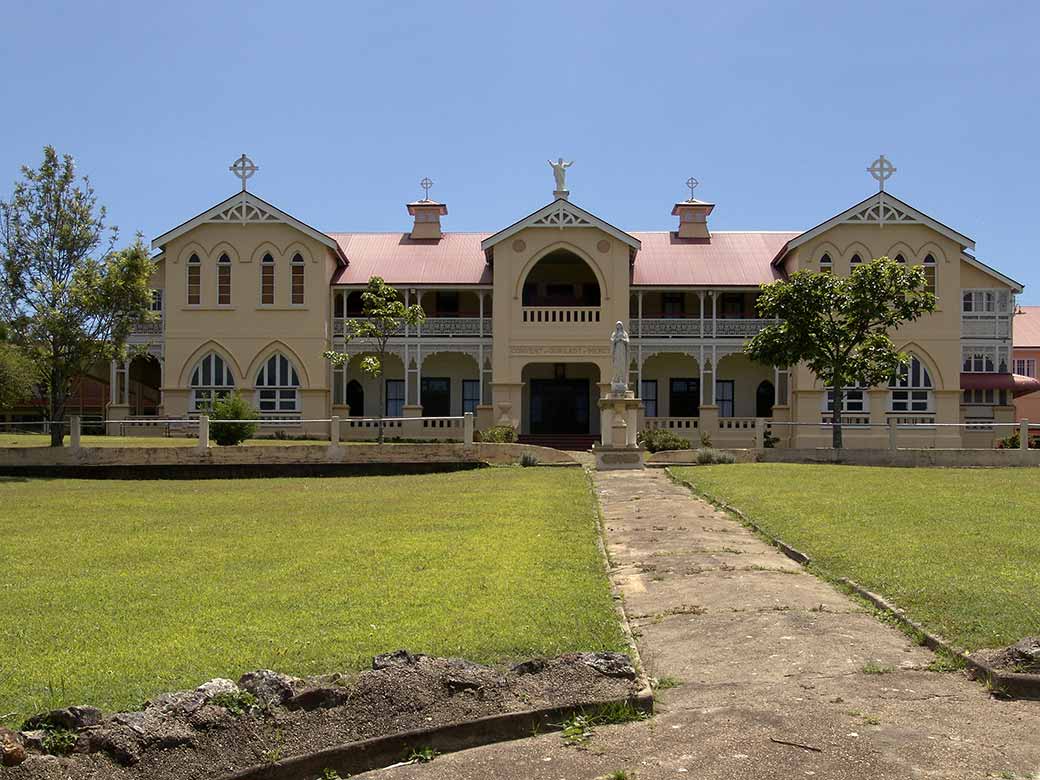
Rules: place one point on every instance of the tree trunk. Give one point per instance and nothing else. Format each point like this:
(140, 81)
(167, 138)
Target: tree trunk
(56, 408)
(839, 402)
(382, 404)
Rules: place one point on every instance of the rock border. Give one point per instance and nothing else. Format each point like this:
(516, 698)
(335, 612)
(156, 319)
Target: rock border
(354, 758)
(1008, 684)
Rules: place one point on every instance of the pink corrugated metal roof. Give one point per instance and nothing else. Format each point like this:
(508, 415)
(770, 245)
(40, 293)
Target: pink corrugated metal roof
(725, 259)
(1026, 327)
(735, 259)
(455, 259)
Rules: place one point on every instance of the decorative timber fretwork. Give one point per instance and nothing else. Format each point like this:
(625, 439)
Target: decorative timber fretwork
(563, 217)
(883, 213)
(245, 212)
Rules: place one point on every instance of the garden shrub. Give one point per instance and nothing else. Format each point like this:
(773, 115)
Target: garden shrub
(527, 459)
(499, 434)
(660, 439)
(708, 455)
(232, 407)
(1014, 441)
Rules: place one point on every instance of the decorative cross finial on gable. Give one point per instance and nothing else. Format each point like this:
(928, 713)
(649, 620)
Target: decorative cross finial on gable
(692, 183)
(243, 168)
(881, 169)
(426, 183)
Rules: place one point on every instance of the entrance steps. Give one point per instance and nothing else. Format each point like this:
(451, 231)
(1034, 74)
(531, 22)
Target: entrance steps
(560, 441)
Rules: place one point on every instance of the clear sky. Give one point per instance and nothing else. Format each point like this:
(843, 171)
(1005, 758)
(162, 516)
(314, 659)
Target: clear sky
(777, 107)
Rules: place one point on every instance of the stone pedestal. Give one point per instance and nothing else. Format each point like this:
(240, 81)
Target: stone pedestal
(619, 419)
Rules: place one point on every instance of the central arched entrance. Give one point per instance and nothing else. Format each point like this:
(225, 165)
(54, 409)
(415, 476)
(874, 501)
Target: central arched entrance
(561, 278)
(559, 399)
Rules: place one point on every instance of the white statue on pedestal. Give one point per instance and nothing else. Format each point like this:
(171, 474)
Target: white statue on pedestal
(619, 351)
(560, 173)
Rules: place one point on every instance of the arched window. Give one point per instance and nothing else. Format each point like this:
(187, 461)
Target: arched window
(224, 281)
(765, 397)
(277, 385)
(900, 259)
(929, 274)
(194, 281)
(297, 279)
(211, 379)
(825, 264)
(855, 262)
(267, 280)
(911, 388)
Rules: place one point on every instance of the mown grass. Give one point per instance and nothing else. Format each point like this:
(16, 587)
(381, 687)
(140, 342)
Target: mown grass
(114, 591)
(958, 549)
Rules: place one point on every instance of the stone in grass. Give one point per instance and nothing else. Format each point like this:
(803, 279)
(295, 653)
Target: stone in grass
(1023, 656)
(70, 718)
(396, 658)
(531, 666)
(267, 686)
(318, 698)
(12, 751)
(607, 664)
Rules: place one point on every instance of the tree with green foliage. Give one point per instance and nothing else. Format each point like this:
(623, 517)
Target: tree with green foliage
(839, 326)
(68, 296)
(384, 316)
(17, 376)
(232, 407)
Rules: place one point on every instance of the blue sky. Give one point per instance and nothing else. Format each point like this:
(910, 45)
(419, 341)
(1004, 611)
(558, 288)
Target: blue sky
(777, 108)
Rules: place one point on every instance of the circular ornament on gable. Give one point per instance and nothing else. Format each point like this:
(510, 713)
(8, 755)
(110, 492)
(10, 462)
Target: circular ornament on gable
(519, 245)
(603, 246)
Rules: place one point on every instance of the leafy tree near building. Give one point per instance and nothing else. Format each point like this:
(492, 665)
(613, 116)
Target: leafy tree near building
(17, 374)
(69, 297)
(839, 326)
(384, 315)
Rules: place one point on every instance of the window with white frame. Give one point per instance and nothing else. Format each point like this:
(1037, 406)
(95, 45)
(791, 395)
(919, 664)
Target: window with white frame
(854, 401)
(911, 388)
(826, 265)
(157, 298)
(211, 379)
(194, 281)
(648, 395)
(1025, 367)
(277, 386)
(724, 389)
(979, 302)
(224, 281)
(929, 273)
(267, 280)
(980, 397)
(470, 395)
(298, 269)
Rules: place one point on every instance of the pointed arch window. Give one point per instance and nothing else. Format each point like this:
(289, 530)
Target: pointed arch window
(900, 259)
(224, 280)
(929, 274)
(277, 386)
(855, 263)
(211, 379)
(826, 266)
(298, 269)
(194, 280)
(267, 280)
(911, 388)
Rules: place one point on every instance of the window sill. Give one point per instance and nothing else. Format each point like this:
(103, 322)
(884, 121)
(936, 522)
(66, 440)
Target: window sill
(275, 307)
(200, 307)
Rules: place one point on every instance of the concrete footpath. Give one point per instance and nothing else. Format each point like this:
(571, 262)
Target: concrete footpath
(780, 675)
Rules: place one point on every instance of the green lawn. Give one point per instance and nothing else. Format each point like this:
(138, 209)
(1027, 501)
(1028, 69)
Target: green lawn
(41, 440)
(113, 591)
(959, 549)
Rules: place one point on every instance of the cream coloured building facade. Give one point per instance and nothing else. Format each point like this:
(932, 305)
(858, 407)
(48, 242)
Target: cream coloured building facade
(248, 297)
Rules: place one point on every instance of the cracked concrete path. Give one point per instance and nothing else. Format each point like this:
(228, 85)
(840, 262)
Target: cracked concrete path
(765, 653)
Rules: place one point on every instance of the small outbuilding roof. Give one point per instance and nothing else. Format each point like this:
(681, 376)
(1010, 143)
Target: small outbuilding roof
(1026, 327)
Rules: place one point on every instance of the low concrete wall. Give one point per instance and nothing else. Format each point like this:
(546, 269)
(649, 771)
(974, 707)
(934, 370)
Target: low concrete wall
(34, 459)
(961, 458)
(908, 458)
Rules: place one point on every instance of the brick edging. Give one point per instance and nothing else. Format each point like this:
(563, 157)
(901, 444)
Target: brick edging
(1013, 684)
(379, 752)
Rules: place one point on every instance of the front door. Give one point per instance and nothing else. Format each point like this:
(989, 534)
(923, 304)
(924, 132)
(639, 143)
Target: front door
(559, 406)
